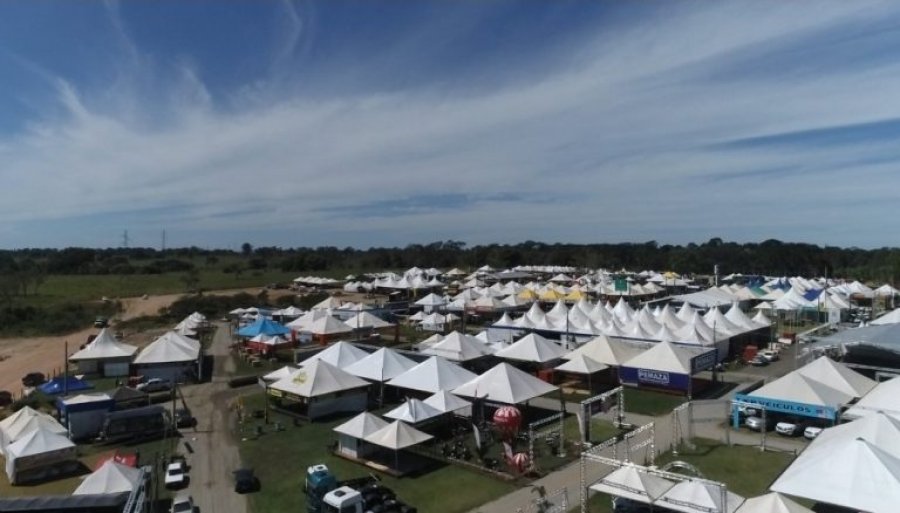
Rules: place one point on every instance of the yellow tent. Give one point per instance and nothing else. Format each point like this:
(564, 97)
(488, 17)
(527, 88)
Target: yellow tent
(551, 295)
(575, 295)
(528, 294)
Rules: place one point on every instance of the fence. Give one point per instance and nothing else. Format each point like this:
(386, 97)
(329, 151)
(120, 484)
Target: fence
(552, 429)
(602, 403)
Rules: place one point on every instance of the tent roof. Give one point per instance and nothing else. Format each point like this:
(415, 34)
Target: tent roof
(772, 502)
(881, 398)
(855, 474)
(281, 373)
(24, 424)
(38, 441)
(397, 435)
(532, 348)
(458, 347)
(104, 346)
(432, 299)
(125, 394)
(665, 356)
(111, 477)
(361, 425)
(381, 365)
(414, 411)
(433, 375)
(797, 388)
(318, 378)
(62, 384)
(505, 384)
(581, 364)
(699, 497)
(892, 317)
(881, 429)
(263, 325)
(837, 376)
(446, 402)
(340, 354)
(171, 347)
(327, 325)
(629, 482)
(366, 320)
(607, 351)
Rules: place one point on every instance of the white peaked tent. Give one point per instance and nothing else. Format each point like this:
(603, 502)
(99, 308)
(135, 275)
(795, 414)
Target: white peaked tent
(281, 373)
(304, 321)
(855, 474)
(340, 354)
(329, 303)
(169, 348)
(722, 325)
(366, 320)
(892, 317)
(665, 357)
(428, 342)
(581, 364)
(446, 402)
(797, 388)
(318, 378)
(433, 375)
(291, 311)
(623, 311)
(505, 384)
(837, 376)
(629, 482)
(772, 502)
(884, 397)
(886, 291)
(458, 347)
(414, 411)
(431, 300)
(351, 433)
(327, 325)
(699, 497)
(880, 429)
(110, 478)
(607, 351)
(40, 447)
(24, 421)
(105, 354)
(685, 312)
(532, 348)
(397, 435)
(739, 318)
(761, 320)
(381, 365)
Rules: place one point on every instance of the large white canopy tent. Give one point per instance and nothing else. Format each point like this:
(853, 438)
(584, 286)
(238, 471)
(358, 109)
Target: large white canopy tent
(458, 347)
(532, 348)
(505, 384)
(380, 366)
(608, 351)
(629, 482)
(693, 496)
(433, 375)
(110, 478)
(323, 389)
(41, 447)
(365, 320)
(105, 354)
(772, 502)
(352, 433)
(837, 376)
(414, 411)
(447, 402)
(24, 421)
(340, 354)
(172, 357)
(885, 397)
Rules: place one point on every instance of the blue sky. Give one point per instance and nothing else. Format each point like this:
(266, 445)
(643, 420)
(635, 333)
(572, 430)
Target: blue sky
(370, 123)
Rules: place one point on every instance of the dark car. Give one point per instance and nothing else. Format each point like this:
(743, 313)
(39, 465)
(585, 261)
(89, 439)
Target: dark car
(623, 505)
(184, 419)
(245, 481)
(33, 379)
(6, 398)
(101, 322)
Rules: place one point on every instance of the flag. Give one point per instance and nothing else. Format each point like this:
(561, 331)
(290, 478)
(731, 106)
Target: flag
(477, 436)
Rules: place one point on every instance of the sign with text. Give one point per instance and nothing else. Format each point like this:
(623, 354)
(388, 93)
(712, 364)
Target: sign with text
(801, 409)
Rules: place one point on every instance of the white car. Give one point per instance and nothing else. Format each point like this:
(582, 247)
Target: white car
(176, 475)
(788, 429)
(811, 432)
(769, 355)
(182, 504)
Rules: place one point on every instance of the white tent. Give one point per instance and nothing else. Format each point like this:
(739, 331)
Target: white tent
(381, 365)
(855, 474)
(304, 321)
(892, 317)
(607, 351)
(761, 319)
(414, 411)
(581, 364)
(532, 348)
(361, 425)
(397, 435)
(318, 378)
(629, 482)
(666, 357)
(329, 303)
(881, 429)
(24, 421)
(458, 347)
(340, 354)
(431, 300)
(433, 375)
(38, 448)
(446, 402)
(327, 325)
(110, 478)
(699, 497)
(797, 388)
(170, 348)
(366, 320)
(281, 373)
(837, 376)
(772, 502)
(105, 350)
(884, 397)
(505, 384)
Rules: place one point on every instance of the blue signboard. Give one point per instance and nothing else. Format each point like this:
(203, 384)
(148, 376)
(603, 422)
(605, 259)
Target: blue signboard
(704, 361)
(778, 405)
(654, 378)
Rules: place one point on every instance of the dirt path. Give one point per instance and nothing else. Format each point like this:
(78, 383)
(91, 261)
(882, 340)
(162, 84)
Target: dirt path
(215, 451)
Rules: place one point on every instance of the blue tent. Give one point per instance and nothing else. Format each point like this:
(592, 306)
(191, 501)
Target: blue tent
(812, 294)
(61, 384)
(263, 326)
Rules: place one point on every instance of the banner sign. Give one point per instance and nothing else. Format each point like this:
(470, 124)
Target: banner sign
(654, 378)
(801, 409)
(704, 361)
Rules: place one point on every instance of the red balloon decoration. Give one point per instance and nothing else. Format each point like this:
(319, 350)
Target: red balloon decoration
(508, 419)
(520, 462)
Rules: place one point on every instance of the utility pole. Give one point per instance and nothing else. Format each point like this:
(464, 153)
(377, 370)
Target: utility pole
(125, 239)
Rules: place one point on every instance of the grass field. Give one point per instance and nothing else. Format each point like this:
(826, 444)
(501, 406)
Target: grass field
(446, 489)
(649, 402)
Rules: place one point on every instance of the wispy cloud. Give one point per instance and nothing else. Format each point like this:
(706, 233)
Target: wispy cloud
(684, 122)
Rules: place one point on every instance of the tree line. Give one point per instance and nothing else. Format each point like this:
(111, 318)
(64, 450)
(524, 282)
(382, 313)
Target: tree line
(27, 267)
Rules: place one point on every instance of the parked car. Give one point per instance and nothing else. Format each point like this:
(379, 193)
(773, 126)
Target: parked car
(182, 504)
(176, 475)
(759, 361)
(811, 432)
(154, 385)
(184, 419)
(6, 398)
(245, 481)
(756, 423)
(101, 322)
(33, 379)
(770, 355)
(624, 505)
(790, 428)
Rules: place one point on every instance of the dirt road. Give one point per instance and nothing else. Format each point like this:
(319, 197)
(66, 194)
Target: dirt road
(215, 451)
